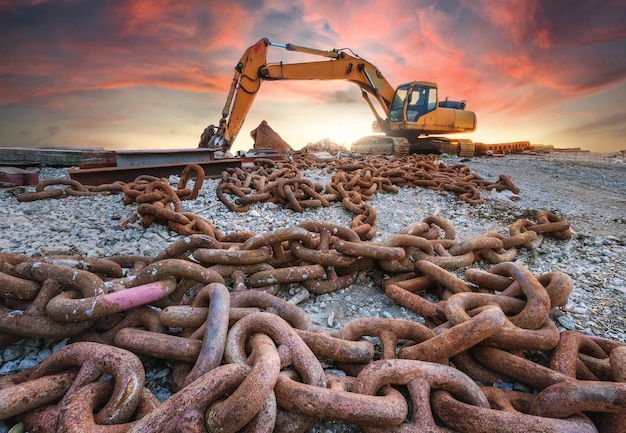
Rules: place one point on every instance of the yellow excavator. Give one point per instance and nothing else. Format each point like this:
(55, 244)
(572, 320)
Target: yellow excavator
(411, 113)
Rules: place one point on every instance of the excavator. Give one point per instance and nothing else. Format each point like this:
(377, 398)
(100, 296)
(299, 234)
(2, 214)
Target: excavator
(412, 114)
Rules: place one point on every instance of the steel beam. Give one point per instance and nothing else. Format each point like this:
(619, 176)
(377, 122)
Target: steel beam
(105, 175)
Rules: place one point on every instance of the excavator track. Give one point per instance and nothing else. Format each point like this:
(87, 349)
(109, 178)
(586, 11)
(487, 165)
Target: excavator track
(382, 145)
(466, 148)
(401, 148)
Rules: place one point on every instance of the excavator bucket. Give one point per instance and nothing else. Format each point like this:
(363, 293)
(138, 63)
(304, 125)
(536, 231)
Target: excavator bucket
(266, 138)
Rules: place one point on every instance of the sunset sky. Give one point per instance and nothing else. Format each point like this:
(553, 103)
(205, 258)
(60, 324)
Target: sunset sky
(137, 74)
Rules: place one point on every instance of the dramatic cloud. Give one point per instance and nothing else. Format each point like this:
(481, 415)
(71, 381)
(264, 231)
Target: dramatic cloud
(158, 72)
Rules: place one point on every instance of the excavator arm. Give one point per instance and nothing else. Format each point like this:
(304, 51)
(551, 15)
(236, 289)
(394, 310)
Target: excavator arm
(252, 69)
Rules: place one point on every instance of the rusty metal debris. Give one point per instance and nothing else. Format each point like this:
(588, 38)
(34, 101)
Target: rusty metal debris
(266, 138)
(246, 359)
(14, 176)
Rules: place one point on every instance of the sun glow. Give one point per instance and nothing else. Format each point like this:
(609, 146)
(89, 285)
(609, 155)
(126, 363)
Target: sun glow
(341, 135)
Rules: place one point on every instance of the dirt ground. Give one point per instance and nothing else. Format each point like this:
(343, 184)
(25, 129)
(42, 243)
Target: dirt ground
(588, 188)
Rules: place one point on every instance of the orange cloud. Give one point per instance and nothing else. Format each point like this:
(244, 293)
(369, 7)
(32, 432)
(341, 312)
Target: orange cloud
(507, 57)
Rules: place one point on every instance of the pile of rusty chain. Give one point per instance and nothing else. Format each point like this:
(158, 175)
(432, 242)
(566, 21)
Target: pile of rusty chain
(355, 181)
(150, 188)
(246, 359)
(157, 200)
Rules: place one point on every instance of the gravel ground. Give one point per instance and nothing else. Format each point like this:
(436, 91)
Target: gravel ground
(586, 189)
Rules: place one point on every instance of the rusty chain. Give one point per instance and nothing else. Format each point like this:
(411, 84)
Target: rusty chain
(354, 182)
(485, 324)
(246, 358)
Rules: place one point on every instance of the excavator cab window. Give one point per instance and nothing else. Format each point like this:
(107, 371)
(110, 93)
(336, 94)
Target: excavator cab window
(420, 99)
(397, 105)
(432, 98)
(417, 103)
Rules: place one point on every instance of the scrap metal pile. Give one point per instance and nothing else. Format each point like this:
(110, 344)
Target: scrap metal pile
(246, 359)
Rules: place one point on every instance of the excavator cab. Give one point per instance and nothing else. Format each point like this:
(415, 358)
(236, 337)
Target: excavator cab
(415, 110)
(413, 100)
